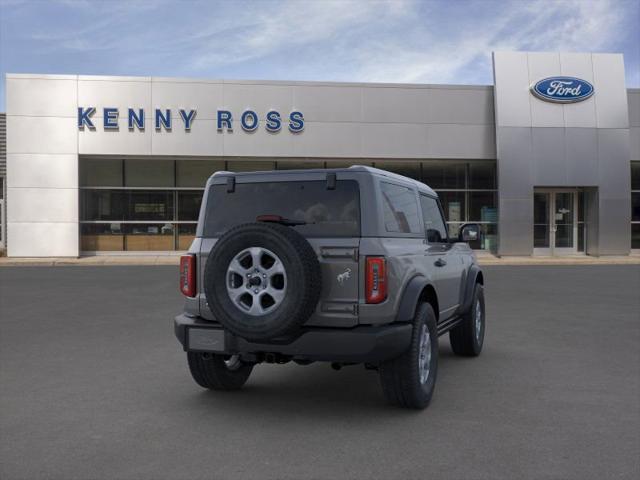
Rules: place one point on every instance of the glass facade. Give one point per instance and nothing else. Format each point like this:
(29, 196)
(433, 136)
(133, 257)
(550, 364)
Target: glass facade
(141, 205)
(153, 204)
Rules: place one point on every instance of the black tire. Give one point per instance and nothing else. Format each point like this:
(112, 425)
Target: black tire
(466, 340)
(303, 281)
(211, 371)
(400, 377)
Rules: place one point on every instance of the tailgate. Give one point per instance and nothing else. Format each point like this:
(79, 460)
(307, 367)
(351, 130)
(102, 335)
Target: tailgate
(339, 263)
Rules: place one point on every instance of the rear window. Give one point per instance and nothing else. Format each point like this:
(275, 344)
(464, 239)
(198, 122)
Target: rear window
(327, 213)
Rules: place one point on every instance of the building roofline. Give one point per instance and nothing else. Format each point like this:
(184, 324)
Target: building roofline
(148, 79)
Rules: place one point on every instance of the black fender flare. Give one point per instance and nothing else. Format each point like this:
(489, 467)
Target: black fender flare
(472, 278)
(410, 298)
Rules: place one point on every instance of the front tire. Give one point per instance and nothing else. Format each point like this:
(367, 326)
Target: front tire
(467, 338)
(218, 372)
(409, 380)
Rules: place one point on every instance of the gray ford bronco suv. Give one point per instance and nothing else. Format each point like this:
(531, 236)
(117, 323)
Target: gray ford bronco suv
(350, 265)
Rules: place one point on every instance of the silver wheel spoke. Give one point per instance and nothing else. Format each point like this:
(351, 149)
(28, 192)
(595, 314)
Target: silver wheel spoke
(277, 295)
(234, 293)
(256, 308)
(235, 267)
(257, 281)
(276, 268)
(256, 257)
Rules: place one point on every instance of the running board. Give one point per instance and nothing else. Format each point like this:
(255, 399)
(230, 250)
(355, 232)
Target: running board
(448, 324)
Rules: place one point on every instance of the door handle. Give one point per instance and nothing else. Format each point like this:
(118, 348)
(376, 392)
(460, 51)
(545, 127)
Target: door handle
(440, 262)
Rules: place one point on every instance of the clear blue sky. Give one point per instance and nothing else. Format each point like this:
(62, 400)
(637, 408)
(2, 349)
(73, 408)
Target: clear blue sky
(443, 41)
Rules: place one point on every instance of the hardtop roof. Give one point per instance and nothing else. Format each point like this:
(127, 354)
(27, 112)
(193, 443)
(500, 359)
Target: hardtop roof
(352, 169)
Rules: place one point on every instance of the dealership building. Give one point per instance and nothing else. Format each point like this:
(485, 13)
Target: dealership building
(547, 159)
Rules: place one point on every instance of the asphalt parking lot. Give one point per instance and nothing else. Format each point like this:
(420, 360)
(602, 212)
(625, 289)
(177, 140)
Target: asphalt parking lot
(93, 385)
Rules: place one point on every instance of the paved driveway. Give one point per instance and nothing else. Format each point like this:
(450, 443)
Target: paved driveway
(94, 385)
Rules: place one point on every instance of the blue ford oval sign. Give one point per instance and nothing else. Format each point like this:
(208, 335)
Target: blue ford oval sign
(562, 89)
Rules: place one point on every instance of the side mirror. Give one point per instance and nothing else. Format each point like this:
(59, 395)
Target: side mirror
(469, 232)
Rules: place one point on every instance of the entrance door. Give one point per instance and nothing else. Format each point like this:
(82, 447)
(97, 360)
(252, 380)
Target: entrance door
(555, 226)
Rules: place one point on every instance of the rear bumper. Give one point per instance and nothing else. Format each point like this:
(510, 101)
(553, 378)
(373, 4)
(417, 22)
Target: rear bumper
(370, 344)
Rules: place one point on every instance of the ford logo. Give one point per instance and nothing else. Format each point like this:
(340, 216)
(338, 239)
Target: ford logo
(562, 89)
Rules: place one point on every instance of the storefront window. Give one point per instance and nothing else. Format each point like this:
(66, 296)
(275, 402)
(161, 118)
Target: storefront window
(133, 205)
(454, 206)
(142, 204)
(101, 237)
(482, 207)
(635, 205)
(408, 169)
(189, 205)
(150, 205)
(635, 175)
(482, 176)
(149, 173)
(186, 234)
(195, 173)
(444, 175)
(250, 165)
(101, 172)
(635, 235)
(347, 164)
(103, 205)
(298, 164)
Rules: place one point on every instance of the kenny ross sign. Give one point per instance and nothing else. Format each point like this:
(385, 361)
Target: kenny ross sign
(162, 119)
(562, 89)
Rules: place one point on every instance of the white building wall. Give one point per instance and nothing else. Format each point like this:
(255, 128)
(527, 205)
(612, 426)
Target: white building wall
(42, 166)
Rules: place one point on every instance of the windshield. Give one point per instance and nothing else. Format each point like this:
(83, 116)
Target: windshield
(320, 211)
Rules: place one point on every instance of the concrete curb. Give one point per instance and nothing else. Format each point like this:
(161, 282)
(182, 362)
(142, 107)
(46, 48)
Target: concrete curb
(151, 260)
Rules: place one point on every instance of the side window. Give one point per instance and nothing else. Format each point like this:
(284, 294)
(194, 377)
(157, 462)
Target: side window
(400, 209)
(433, 222)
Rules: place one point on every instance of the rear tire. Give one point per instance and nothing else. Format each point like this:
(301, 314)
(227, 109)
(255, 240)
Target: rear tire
(216, 372)
(468, 337)
(404, 382)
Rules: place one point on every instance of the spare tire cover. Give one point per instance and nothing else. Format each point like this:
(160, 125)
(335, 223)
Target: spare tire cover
(262, 281)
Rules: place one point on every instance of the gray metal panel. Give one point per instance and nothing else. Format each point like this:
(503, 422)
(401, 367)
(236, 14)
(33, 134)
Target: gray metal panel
(42, 97)
(329, 103)
(511, 89)
(3, 144)
(612, 109)
(633, 100)
(260, 98)
(592, 216)
(515, 168)
(563, 147)
(582, 156)
(633, 96)
(175, 94)
(634, 143)
(461, 141)
(100, 93)
(515, 226)
(396, 105)
(613, 161)
(461, 106)
(549, 165)
(544, 114)
(388, 140)
(580, 114)
(614, 226)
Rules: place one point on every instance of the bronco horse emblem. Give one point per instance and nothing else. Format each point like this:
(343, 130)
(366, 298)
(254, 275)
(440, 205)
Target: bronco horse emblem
(346, 275)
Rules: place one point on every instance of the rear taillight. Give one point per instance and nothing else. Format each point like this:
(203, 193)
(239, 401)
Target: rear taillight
(188, 275)
(376, 280)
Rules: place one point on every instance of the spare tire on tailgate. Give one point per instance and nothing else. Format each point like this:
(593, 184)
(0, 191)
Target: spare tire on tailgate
(262, 281)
